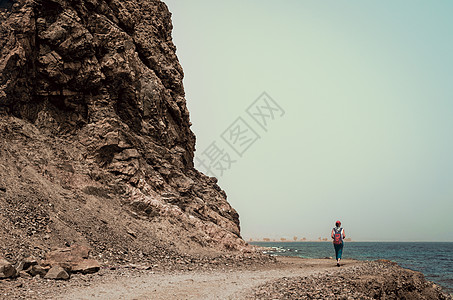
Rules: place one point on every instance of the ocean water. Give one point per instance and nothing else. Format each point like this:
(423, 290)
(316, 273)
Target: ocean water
(434, 260)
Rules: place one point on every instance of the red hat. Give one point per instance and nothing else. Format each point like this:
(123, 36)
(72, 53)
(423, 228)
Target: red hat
(337, 222)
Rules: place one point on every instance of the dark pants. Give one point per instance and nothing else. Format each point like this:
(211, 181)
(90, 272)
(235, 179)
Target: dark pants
(338, 250)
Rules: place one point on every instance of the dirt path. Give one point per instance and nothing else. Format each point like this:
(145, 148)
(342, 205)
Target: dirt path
(218, 284)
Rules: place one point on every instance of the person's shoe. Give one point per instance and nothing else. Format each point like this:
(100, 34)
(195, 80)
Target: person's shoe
(338, 264)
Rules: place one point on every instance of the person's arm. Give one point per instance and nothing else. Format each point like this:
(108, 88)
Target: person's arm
(344, 235)
(331, 234)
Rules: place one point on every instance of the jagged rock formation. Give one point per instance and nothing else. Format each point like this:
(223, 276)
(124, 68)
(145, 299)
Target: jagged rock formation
(95, 139)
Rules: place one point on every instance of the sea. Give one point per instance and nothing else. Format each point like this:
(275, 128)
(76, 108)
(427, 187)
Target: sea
(434, 260)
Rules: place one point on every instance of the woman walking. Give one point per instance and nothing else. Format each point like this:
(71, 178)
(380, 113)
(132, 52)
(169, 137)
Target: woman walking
(337, 237)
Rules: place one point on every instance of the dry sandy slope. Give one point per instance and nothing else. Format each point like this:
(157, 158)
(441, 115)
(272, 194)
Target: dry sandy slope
(217, 284)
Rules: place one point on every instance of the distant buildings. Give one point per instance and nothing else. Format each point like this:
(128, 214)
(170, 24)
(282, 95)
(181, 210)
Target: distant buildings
(294, 239)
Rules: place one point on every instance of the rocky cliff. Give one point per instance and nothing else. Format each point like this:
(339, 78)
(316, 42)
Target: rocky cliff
(95, 139)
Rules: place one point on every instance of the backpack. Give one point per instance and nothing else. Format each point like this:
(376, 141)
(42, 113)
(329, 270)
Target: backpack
(337, 236)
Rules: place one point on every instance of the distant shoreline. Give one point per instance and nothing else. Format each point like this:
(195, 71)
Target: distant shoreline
(352, 241)
(293, 241)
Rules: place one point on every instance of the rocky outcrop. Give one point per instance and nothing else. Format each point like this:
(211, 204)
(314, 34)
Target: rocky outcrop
(95, 139)
(369, 280)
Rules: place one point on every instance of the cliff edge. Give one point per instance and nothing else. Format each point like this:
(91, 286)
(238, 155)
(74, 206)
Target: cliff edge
(95, 139)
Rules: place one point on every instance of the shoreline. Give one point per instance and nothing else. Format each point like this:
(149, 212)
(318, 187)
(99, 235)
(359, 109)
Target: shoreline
(364, 280)
(434, 270)
(287, 278)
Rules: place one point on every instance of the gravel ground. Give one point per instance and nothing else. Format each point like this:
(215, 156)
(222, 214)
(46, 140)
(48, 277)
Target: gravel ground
(367, 280)
(287, 278)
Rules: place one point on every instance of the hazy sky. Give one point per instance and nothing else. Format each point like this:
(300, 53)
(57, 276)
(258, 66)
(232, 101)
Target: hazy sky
(367, 93)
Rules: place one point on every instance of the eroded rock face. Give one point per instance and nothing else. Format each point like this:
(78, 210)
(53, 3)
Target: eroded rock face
(95, 132)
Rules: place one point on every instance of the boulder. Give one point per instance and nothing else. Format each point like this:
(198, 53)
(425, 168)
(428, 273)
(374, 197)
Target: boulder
(7, 270)
(26, 264)
(86, 266)
(73, 259)
(73, 253)
(38, 270)
(57, 273)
